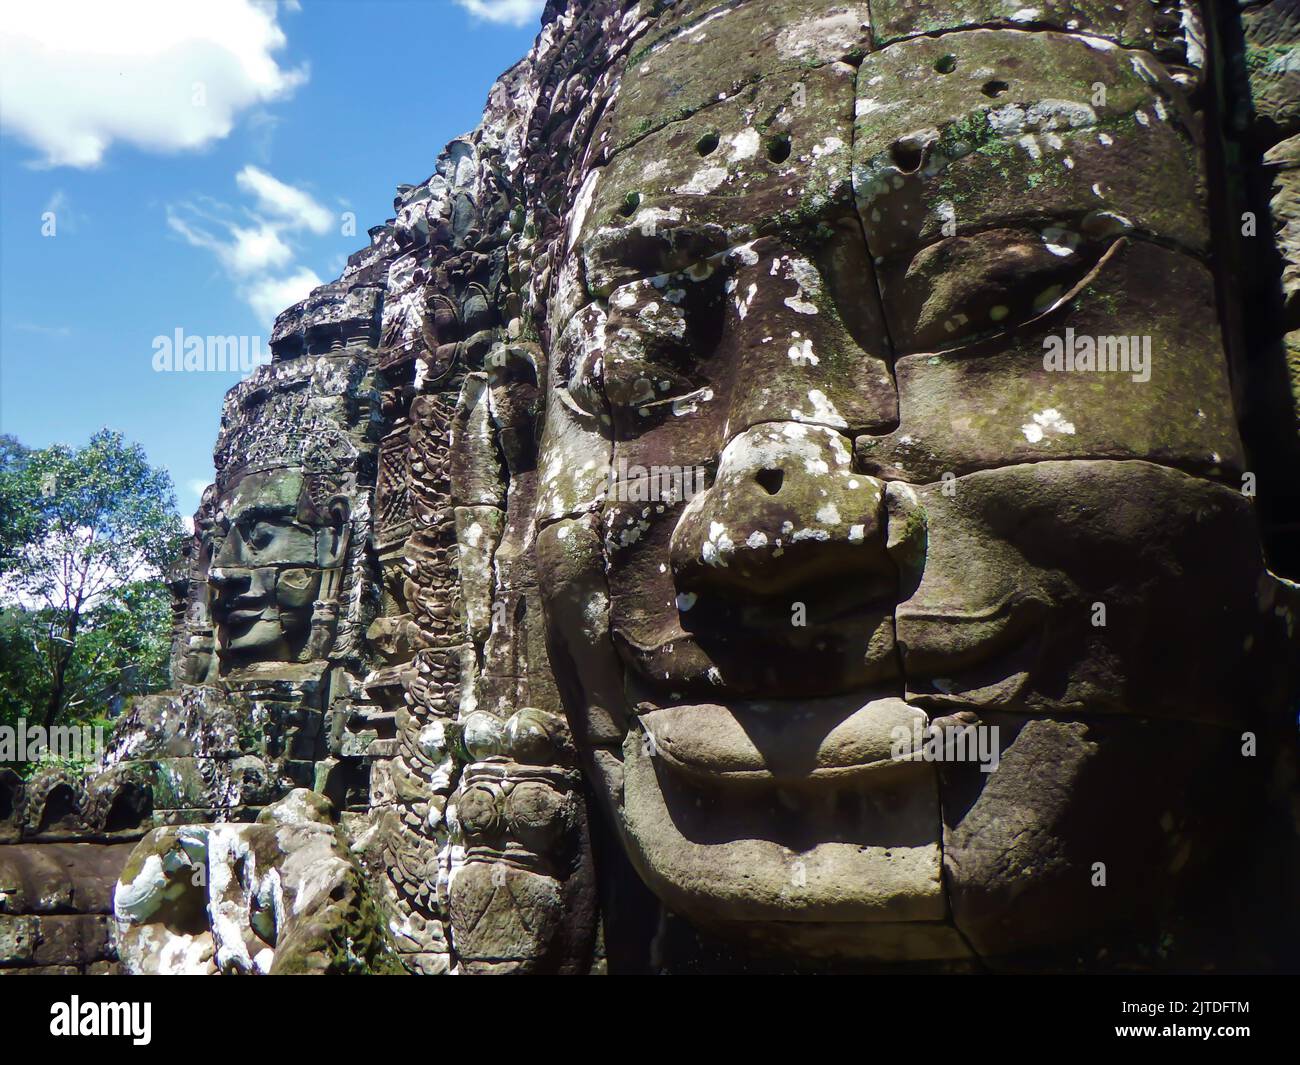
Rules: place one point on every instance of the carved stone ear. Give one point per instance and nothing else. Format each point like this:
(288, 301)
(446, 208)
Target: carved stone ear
(339, 509)
(333, 511)
(333, 538)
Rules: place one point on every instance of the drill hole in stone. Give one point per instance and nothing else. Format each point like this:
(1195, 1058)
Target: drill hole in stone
(908, 156)
(771, 480)
(630, 203)
(706, 144)
(946, 64)
(994, 89)
(778, 148)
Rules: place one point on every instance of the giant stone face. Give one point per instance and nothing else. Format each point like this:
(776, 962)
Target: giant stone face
(827, 292)
(817, 425)
(267, 577)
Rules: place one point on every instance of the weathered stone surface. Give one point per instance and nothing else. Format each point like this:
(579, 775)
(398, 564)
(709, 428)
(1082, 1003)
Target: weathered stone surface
(1292, 347)
(1285, 209)
(60, 877)
(280, 896)
(772, 158)
(710, 51)
(1272, 32)
(992, 397)
(18, 939)
(996, 127)
(1132, 23)
(690, 443)
(577, 595)
(1031, 849)
(478, 531)
(723, 854)
(1062, 587)
(74, 939)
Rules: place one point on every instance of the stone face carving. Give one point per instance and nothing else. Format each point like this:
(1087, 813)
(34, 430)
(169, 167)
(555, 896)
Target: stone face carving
(833, 293)
(284, 571)
(274, 582)
(611, 542)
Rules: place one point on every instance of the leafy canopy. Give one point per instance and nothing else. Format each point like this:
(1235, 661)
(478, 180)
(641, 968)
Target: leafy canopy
(86, 536)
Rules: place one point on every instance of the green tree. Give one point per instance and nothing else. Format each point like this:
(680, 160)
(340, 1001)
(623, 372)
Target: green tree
(84, 614)
(15, 518)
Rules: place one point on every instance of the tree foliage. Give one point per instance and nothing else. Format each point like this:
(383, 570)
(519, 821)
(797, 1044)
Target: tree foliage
(84, 615)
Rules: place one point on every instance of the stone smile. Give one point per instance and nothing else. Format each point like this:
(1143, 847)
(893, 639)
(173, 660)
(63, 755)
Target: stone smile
(785, 741)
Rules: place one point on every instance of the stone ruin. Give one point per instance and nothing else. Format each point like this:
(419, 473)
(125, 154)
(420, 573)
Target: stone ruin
(466, 680)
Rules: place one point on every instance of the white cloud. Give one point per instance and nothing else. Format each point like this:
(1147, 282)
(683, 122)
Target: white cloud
(258, 248)
(79, 75)
(254, 249)
(268, 296)
(509, 12)
(249, 249)
(292, 205)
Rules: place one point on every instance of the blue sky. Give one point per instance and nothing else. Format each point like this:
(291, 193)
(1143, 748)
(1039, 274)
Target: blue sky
(197, 161)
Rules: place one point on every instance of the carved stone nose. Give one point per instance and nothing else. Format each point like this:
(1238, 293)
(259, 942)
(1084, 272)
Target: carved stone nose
(785, 512)
(231, 581)
(229, 578)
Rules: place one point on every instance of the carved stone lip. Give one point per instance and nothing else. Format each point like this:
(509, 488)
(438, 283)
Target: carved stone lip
(239, 623)
(785, 741)
(937, 644)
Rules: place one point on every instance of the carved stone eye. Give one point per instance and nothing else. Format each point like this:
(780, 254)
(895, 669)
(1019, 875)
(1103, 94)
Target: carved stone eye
(259, 536)
(966, 287)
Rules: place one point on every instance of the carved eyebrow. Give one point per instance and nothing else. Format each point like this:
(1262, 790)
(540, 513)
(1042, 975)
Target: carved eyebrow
(261, 512)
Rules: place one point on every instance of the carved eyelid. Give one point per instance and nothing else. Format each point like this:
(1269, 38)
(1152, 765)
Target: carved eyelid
(566, 397)
(1014, 326)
